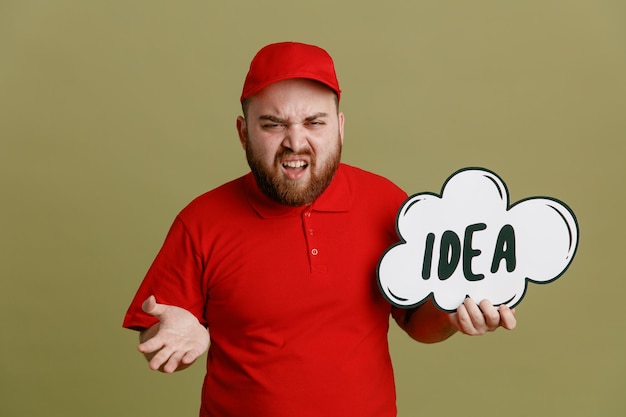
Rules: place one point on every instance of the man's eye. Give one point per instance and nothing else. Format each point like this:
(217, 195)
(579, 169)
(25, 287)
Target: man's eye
(271, 125)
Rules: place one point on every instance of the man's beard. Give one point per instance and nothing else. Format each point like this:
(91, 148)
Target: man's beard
(289, 192)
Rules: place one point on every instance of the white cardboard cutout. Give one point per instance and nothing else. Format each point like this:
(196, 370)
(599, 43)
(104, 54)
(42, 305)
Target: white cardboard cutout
(469, 242)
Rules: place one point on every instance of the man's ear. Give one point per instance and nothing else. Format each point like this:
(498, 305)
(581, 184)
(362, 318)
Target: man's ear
(242, 131)
(341, 120)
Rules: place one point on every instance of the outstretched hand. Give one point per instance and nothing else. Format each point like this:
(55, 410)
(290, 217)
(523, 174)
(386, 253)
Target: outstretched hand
(477, 319)
(176, 341)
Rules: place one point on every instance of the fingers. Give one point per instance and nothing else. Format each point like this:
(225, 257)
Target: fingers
(170, 360)
(190, 357)
(151, 345)
(471, 319)
(477, 319)
(490, 314)
(165, 360)
(507, 317)
(463, 320)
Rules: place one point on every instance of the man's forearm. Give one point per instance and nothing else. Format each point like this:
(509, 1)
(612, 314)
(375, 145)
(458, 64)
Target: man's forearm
(426, 324)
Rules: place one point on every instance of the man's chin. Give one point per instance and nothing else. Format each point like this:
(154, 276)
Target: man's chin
(296, 193)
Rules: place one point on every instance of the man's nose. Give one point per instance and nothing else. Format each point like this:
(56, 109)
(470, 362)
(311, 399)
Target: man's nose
(295, 138)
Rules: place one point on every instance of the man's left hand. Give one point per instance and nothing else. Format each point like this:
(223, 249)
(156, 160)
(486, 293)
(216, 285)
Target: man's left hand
(477, 319)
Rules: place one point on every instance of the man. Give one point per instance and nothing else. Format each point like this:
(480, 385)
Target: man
(278, 266)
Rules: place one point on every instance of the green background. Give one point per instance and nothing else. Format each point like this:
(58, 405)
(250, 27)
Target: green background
(114, 114)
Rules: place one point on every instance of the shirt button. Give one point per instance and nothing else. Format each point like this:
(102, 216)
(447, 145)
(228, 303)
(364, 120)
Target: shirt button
(314, 252)
(311, 232)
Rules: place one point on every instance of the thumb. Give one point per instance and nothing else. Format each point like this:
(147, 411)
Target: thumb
(454, 320)
(153, 308)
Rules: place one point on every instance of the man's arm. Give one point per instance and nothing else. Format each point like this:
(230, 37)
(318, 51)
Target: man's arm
(428, 324)
(176, 341)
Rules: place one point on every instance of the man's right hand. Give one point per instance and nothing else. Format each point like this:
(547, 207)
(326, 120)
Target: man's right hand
(176, 341)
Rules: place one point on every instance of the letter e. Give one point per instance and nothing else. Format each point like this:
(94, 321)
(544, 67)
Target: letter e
(469, 252)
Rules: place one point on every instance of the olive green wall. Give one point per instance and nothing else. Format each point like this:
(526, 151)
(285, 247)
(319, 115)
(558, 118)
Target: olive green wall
(114, 114)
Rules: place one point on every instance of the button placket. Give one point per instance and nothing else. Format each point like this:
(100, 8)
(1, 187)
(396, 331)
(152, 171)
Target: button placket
(310, 237)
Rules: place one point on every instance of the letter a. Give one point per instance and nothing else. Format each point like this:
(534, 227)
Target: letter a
(505, 249)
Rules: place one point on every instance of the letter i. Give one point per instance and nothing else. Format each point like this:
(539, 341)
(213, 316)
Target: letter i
(428, 256)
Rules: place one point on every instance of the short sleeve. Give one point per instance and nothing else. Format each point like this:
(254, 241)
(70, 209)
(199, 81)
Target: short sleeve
(174, 278)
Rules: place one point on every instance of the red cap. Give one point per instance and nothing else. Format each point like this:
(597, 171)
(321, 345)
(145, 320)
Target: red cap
(288, 60)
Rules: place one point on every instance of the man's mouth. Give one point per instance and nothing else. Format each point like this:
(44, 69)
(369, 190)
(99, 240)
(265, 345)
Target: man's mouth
(294, 164)
(294, 169)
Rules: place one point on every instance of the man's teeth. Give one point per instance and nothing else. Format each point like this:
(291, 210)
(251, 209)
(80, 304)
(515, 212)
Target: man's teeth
(294, 164)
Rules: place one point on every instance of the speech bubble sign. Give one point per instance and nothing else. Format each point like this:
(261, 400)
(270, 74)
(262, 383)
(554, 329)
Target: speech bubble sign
(469, 242)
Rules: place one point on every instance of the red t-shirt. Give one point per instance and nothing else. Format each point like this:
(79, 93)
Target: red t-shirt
(298, 326)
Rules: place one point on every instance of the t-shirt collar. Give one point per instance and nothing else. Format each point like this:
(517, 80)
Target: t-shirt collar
(336, 198)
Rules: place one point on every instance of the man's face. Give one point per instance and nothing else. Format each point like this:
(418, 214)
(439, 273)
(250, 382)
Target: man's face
(292, 136)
